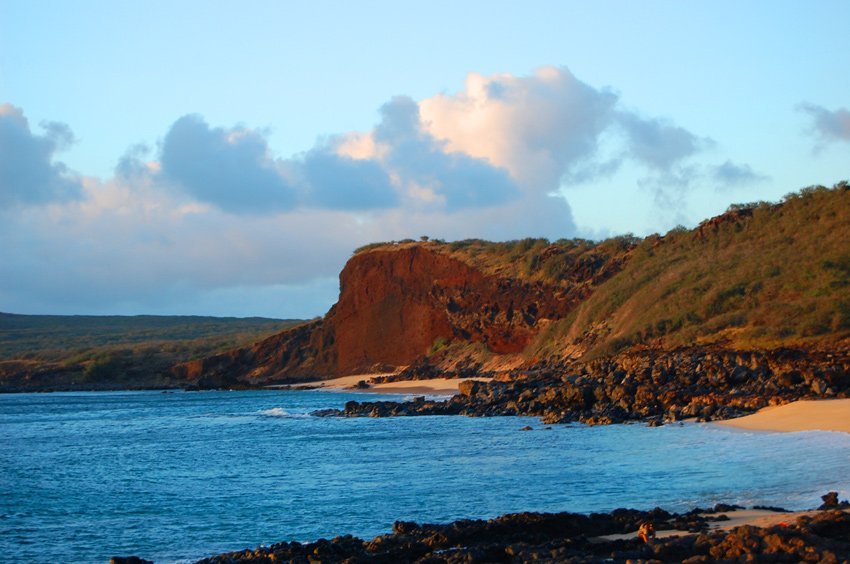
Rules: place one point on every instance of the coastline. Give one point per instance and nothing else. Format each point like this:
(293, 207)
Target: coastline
(726, 521)
(801, 415)
(558, 548)
(431, 386)
(724, 532)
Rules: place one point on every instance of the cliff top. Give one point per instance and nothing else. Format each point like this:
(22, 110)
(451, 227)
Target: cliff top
(530, 260)
(759, 275)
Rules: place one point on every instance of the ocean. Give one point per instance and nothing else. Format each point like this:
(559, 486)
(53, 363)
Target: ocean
(182, 475)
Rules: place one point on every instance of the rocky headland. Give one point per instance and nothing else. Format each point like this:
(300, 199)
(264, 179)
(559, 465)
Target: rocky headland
(749, 309)
(653, 386)
(400, 303)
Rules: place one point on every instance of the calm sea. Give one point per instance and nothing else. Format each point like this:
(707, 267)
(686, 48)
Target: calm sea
(176, 476)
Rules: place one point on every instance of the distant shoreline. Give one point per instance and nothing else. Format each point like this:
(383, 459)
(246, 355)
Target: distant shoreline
(431, 386)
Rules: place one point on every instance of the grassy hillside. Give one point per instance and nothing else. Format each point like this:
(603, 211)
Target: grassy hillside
(131, 350)
(760, 276)
(51, 337)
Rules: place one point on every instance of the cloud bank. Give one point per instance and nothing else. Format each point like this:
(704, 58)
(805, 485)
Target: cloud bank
(213, 209)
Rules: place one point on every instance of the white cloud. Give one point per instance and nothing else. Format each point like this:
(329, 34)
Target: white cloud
(139, 245)
(213, 210)
(537, 127)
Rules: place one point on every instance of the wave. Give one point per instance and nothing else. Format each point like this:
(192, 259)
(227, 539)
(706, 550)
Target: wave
(280, 412)
(428, 397)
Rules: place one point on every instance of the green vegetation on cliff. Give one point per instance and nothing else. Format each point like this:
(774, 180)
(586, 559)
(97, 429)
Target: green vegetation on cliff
(759, 276)
(530, 259)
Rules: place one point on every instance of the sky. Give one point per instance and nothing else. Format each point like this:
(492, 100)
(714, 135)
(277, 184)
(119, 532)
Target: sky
(226, 158)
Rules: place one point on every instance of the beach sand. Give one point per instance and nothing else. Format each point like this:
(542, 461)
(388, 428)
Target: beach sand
(804, 415)
(754, 517)
(436, 386)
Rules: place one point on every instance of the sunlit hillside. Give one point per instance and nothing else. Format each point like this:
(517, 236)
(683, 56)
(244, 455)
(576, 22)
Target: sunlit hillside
(761, 275)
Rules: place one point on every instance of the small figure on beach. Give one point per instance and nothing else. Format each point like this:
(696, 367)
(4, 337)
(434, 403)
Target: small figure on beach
(646, 532)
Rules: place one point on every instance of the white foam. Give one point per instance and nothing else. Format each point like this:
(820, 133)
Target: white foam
(280, 412)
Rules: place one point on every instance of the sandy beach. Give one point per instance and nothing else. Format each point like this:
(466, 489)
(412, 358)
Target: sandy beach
(435, 386)
(803, 415)
(753, 517)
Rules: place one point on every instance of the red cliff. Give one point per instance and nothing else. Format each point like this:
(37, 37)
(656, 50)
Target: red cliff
(395, 303)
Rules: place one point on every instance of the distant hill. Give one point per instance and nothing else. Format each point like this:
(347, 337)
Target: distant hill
(760, 276)
(80, 351)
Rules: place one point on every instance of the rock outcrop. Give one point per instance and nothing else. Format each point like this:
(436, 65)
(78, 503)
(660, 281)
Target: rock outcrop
(395, 305)
(653, 386)
(571, 537)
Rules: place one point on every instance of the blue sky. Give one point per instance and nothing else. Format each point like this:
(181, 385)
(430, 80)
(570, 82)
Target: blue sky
(226, 158)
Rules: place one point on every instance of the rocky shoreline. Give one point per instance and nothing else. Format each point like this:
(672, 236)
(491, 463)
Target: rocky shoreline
(649, 385)
(822, 536)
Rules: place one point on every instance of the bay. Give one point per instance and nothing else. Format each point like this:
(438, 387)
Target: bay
(178, 476)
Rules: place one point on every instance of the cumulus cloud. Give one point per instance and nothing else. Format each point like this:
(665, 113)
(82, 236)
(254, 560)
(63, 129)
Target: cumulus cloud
(537, 127)
(828, 125)
(135, 247)
(338, 182)
(212, 209)
(428, 172)
(670, 187)
(231, 168)
(499, 140)
(28, 172)
(132, 162)
(59, 133)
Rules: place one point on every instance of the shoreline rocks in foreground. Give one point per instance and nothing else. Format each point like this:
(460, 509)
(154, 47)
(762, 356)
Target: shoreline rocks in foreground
(569, 537)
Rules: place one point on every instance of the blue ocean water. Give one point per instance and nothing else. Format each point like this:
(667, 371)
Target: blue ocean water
(176, 476)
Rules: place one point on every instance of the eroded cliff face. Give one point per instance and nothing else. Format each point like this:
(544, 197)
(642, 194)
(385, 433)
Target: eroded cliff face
(386, 312)
(395, 304)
